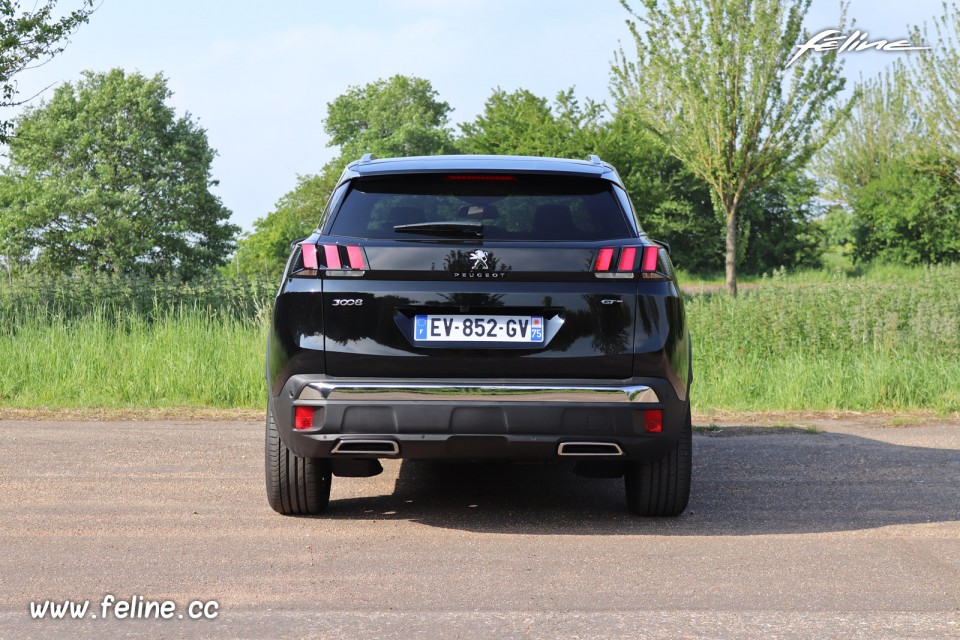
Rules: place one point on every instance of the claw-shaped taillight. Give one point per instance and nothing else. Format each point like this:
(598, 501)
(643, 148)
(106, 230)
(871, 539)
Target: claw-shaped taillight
(621, 262)
(332, 259)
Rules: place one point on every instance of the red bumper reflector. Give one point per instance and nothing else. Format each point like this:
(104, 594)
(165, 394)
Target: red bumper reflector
(309, 256)
(604, 258)
(355, 256)
(332, 254)
(628, 258)
(303, 418)
(650, 255)
(653, 421)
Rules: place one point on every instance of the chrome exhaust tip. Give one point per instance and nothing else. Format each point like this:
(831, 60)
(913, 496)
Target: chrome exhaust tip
(587, 449)
(366, 447)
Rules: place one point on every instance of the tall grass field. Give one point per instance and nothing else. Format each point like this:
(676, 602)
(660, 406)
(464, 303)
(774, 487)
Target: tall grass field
(839, 344)
(120, 342)
(847, 344)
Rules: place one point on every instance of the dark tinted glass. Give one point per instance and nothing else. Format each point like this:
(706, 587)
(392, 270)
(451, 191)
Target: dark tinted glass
(510, 207)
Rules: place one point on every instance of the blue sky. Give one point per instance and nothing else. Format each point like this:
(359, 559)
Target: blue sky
(258, 76)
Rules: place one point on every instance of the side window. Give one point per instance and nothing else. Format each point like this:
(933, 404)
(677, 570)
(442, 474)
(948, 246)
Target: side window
(332, 203)
(627, 206)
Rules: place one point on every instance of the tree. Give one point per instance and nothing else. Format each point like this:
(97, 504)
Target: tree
(674, 205)
(105, 177)
(711, 82)
(29, 38)
(400, 116)
(883, 128)
(896, 173)
(521, 123)
(937, 74)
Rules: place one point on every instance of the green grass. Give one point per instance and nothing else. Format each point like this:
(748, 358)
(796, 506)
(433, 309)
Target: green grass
(848, 344)
(888, 339)
(186, 357)
(853, 382)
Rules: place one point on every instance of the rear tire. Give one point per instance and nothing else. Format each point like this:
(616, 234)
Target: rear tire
(659, 488)
(295, 486)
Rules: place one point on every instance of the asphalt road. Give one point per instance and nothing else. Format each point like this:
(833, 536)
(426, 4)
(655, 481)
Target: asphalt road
(850, 533)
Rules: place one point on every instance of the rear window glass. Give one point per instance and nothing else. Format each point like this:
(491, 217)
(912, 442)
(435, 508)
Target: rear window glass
(510, 207)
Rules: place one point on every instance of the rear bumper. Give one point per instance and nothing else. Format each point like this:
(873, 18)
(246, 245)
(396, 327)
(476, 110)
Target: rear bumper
(530, 419)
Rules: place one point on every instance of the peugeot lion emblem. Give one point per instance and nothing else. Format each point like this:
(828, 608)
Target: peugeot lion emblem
(479, 258)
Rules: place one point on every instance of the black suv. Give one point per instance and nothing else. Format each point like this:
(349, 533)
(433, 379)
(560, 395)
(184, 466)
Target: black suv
(470, 307)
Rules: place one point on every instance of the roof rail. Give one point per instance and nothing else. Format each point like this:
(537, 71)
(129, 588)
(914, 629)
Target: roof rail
(367, 157)
(594, 159)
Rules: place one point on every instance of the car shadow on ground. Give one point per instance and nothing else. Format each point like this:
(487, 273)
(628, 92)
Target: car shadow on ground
(747, 481)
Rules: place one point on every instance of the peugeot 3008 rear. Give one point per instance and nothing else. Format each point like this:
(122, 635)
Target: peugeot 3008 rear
(471, 307)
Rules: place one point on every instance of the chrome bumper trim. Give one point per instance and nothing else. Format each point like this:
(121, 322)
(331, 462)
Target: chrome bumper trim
(347, 391)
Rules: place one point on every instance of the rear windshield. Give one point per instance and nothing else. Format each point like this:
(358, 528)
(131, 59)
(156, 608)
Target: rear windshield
(510, 207)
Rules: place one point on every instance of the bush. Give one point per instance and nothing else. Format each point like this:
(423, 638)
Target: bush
(909, 213)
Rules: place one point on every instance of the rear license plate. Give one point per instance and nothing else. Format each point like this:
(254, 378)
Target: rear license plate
(448, 328)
